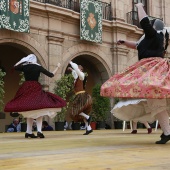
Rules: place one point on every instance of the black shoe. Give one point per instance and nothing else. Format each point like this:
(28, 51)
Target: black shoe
(164, 139)
(89, 120)
(40, 135)
(149, 130)
(162, 135)
(30, 135)
(88, 132)
(134, 132)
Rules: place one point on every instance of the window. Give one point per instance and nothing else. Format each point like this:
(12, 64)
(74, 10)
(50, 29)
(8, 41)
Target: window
(134, 9)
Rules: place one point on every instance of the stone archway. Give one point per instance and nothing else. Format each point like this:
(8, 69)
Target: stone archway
(28, 48)
(94, 55)
(13, 47)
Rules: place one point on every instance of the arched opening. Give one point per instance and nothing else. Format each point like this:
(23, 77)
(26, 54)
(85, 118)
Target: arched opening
(95, 69)
(11, 53)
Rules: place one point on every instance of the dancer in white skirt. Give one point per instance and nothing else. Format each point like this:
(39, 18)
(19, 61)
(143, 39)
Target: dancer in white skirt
(144, 86)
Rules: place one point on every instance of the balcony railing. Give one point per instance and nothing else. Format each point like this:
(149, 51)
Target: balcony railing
(75, 6)
(132, 18)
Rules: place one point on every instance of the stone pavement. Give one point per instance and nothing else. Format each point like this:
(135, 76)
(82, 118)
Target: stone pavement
(70, 150)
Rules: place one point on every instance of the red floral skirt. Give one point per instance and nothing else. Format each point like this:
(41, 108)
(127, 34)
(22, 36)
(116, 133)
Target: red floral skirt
(30, 96)
(149, 78)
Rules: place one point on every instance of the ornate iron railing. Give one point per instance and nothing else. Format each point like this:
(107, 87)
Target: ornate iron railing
(132, 18)
(75, 6)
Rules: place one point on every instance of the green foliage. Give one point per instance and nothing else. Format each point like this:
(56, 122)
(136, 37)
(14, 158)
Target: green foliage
(116, 100)
(64, 88)
(22, 78)
(2, 92)
(101, 105)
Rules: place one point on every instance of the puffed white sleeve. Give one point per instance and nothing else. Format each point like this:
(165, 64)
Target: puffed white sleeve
(74, 74)
(77, 70)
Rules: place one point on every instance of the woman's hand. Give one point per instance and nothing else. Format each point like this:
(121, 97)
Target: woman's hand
(120, 42)
(139, 5)
(69, 69)
(56, 69)
(58, 65)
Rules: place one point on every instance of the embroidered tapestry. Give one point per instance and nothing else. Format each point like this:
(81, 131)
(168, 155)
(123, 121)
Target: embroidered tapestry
(91, 20)
(14, 15)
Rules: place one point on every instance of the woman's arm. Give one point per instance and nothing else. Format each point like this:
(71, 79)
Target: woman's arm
(79, 73)
(141, 11)
(144, 21)
(56, 69)
(130, 44)
(46, 72)
(74, 74)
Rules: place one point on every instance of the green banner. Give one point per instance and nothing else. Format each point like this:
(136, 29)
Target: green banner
(91, 20)
(14, 15)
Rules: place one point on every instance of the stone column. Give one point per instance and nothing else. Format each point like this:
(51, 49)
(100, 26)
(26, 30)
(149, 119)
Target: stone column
(119, 58)
(119, 62)
(55, 52)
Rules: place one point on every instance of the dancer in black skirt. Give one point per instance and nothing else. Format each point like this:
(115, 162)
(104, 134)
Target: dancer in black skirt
(30, 100)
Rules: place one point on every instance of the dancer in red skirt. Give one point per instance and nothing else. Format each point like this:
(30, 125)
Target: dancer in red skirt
(30, 100)
(148, 80)
(82, 103)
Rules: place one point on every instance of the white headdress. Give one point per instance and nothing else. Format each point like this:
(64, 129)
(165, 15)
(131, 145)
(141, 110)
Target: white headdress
(30, 59)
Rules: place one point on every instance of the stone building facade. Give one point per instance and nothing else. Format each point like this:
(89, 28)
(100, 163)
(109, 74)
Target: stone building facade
(55, 37)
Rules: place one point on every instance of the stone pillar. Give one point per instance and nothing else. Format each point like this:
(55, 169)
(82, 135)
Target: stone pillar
(55, 52)
(119, 62)
(119, 58)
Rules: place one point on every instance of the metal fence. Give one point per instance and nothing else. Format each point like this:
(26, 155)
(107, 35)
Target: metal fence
(75, 6)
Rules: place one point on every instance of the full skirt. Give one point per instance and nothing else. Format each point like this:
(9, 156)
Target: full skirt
(81, 103)
(148, 78)
(144, 89)
(31, 101)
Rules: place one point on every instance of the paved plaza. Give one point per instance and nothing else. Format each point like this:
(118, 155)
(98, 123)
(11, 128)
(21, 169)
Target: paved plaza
(70, 150)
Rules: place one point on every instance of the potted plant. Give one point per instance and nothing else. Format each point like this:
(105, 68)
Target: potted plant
(93, 122)
(100, 107)
(2, 74)
(64, 89)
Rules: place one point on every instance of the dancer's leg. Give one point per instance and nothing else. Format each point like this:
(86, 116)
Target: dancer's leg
(39, 124)
(39, 127)
(148, 127)
(88, 128)
(29, 125)
(87, 117)
(134, 126)
(163, 119)
(84, 115)
(29, 129)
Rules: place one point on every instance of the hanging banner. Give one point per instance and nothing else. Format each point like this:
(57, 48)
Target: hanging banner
(91, 20)
(14, 15)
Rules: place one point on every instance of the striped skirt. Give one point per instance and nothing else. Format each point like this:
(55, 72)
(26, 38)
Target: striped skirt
(81, 103)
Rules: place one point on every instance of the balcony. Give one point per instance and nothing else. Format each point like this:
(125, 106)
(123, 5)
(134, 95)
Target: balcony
(75, 6)
(132, 18)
